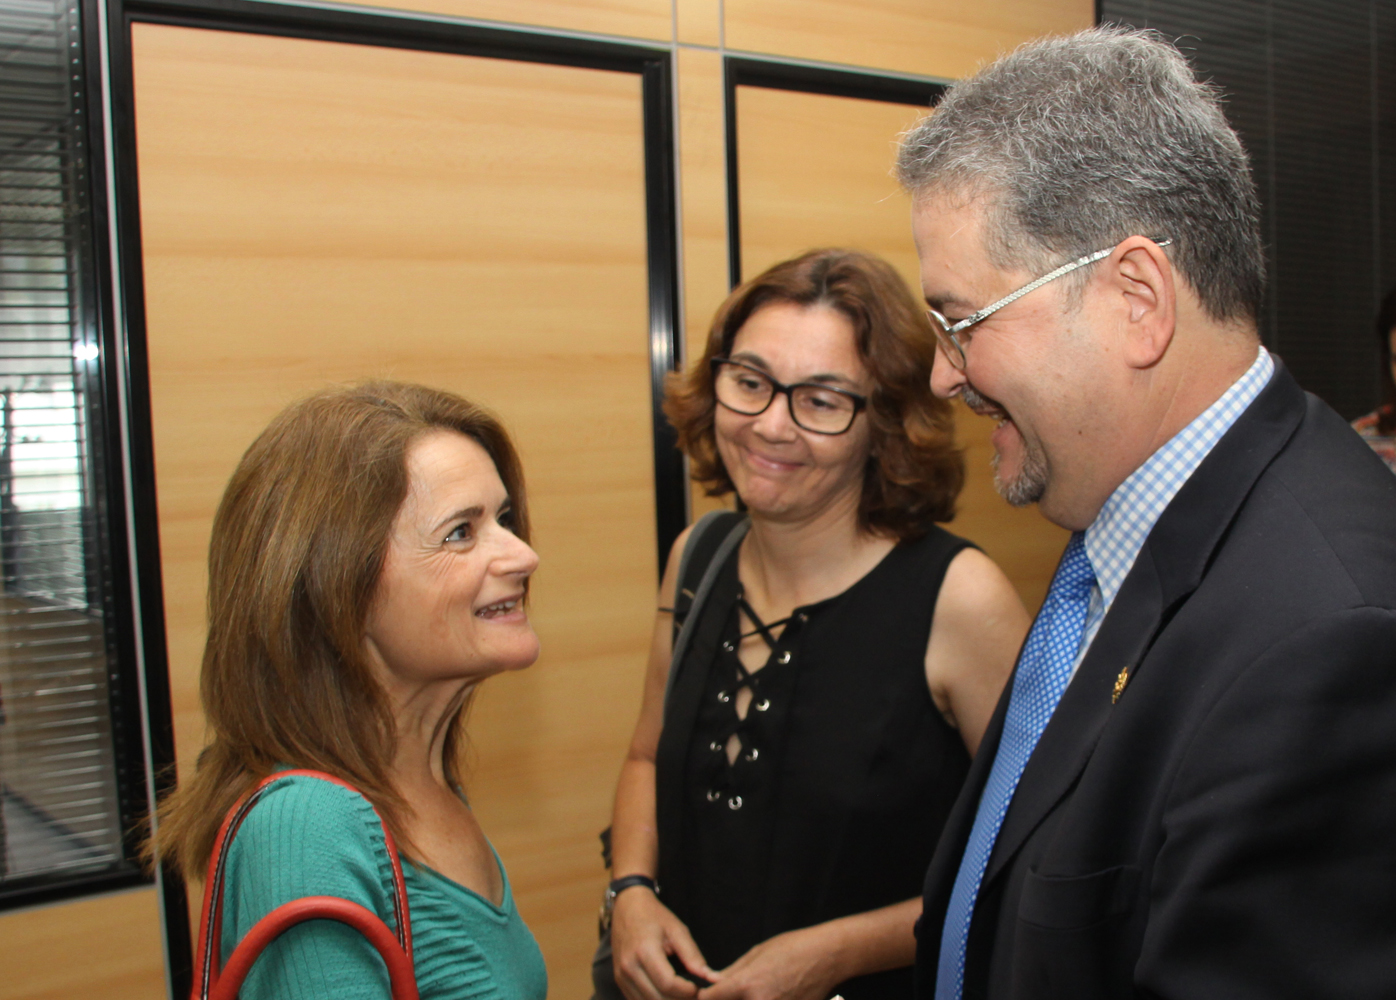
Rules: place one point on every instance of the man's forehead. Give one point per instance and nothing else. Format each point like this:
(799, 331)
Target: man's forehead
(949, 242)
(943, 217)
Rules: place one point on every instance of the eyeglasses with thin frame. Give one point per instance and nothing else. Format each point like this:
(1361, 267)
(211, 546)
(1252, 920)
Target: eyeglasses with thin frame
(818, 408)
(949, 335)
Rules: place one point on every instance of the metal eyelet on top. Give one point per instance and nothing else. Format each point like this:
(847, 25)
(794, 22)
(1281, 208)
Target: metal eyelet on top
(729, 647)
(724, 697)
(762, 705)
(714, 795)
(751, 754)
(715, 746)
(784, 657)
(734, 803)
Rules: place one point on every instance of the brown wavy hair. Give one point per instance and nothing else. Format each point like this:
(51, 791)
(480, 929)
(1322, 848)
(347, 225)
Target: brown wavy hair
(914, 471)
(298, 545)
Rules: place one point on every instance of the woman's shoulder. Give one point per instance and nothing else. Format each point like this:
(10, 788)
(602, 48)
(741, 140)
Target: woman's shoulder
(965, 584)
(307, 836)
(933, 550)
(938, 537)
(311, 805)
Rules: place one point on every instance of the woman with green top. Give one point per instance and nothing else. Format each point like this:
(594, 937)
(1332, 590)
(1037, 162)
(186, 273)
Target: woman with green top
(369, 567)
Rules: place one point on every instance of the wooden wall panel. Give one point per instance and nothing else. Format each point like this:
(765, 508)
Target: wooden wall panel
(703, 174)
(104, 948)
(316, 212)
(944, 38)
(698, 22)
(816, 171)
(704, 178)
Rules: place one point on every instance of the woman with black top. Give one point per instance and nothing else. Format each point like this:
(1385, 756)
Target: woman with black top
(788, 791)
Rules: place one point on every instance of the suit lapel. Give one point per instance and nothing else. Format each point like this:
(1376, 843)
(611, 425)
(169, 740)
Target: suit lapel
(1169, 567)
(1076, 725)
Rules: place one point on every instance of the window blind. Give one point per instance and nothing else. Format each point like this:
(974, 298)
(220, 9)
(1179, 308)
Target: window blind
(58, 776)
(1311, 88)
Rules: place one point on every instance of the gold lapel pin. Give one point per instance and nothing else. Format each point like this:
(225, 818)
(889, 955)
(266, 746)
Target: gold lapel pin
(1120, 683)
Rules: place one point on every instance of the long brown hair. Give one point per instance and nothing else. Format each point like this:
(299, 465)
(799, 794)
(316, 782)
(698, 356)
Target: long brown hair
(914, 472)
(298, 545)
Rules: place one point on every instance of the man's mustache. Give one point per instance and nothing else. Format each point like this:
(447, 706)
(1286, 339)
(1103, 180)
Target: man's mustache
(981, 404)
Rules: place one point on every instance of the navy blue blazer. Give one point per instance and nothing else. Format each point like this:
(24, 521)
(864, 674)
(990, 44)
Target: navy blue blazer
(1227, 828)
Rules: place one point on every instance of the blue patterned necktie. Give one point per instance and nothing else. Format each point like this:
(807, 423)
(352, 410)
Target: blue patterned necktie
(1043, 672)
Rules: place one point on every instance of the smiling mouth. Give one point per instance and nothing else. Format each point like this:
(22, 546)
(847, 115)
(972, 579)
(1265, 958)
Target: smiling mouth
(771, 462)
(985, 407)
(499, 608)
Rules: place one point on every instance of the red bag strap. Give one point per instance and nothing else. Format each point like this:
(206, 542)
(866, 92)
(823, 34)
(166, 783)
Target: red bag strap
(401, 975)
(211, 982)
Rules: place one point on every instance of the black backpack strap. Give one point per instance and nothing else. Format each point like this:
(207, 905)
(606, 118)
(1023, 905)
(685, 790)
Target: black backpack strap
(698, 549)
(709, 545)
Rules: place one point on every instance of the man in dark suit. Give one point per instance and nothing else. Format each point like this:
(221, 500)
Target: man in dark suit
(1189, 787)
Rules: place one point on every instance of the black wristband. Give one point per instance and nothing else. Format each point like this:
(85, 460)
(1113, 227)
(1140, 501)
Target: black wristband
(629, 882)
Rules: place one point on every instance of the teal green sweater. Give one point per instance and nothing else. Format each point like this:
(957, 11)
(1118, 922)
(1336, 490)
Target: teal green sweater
(311, 838)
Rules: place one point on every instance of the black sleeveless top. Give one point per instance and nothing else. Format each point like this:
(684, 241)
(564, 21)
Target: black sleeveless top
(847, 770)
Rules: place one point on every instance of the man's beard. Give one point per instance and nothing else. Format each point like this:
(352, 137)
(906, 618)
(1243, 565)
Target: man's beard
(1031, 482)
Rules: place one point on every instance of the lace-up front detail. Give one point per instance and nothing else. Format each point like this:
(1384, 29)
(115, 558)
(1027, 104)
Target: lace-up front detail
(734, 718)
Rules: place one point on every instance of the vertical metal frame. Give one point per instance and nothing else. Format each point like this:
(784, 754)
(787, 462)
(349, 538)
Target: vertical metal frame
(803, 78)
(103, 480)
(406, 31)
(666, 329)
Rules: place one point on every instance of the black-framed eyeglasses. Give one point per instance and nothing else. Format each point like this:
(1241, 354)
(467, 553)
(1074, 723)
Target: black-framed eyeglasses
(952, 336)
(818, 408)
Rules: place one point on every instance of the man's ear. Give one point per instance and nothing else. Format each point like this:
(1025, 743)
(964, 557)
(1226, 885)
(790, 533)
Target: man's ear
(1141, 280)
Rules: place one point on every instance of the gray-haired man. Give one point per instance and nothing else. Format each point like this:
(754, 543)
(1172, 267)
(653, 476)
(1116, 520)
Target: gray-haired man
(1189, 788)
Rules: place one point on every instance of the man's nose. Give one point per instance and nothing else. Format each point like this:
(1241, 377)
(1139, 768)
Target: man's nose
(946, 379)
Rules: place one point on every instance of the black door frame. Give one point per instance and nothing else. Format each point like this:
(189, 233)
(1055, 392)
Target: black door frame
(744, 71)
(406, 30)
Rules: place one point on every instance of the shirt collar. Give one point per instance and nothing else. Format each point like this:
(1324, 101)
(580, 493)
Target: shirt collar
(1117, 534)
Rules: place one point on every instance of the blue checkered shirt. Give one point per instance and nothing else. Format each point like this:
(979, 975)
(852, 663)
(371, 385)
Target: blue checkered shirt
(1117, 534)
